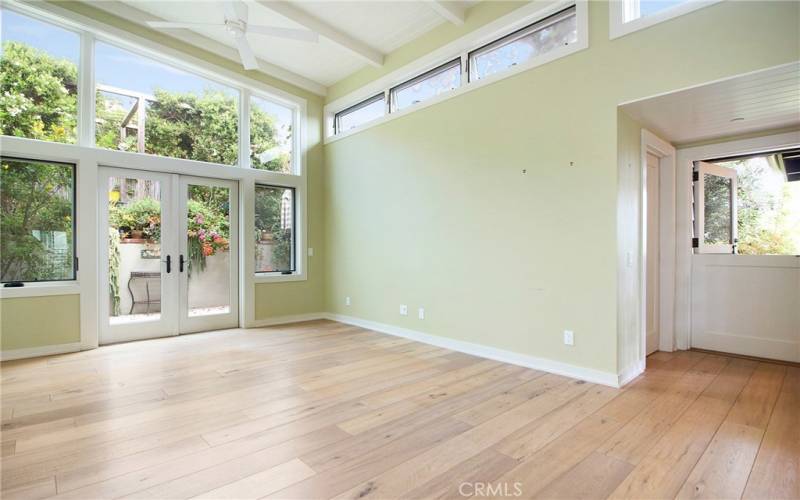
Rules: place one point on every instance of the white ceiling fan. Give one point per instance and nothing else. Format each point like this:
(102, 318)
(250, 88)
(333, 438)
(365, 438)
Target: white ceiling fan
(235, 23)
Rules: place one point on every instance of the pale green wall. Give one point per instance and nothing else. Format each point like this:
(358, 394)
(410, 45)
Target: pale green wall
(433, 209)
(39, 321)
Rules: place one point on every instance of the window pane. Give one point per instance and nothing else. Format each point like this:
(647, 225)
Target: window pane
(38, 79)
(540, 38)
(361, 113)
(134, 249)
(270, 136)
(37, 224)
(208, 241)
(643, 8)
(274, 232)
(441, 80)
(150, 107)
(717, 210)
(767, 204)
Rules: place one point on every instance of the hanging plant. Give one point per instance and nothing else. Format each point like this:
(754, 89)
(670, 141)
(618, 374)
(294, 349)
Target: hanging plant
(207, 234)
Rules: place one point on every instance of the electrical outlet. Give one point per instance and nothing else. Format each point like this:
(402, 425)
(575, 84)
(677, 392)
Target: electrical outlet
(310, 252)
(569, 337)
(347, 301)
(421, 313)
(403, 310)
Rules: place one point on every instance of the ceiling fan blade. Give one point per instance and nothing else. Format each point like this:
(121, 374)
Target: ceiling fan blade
(294, 34)
(246, 53)
(235, 10)
(170, 25)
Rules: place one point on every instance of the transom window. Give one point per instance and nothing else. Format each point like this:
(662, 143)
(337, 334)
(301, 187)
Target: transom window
(549, 34)
(142, 103)
(145, 106)
(271, 134)
(445, 78)
(363, 112)
(539, 38)
(39, 79)
(634, 9)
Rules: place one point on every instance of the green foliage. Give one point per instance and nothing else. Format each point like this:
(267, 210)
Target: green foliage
(185, 125)
(34, 197)
(141, 215)
(268, 204)
(763, 228)
(38, 94)
(208, 232)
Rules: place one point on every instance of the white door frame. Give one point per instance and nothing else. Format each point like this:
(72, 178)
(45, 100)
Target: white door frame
(685, 163)
(652, 144)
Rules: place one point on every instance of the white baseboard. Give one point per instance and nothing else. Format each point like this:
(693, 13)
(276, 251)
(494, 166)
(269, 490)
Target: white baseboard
(282, 320)
(546, 365)
(483, 351)
(35, 352)
(630, 373)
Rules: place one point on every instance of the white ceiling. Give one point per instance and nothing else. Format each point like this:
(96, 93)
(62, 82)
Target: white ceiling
(375, 27)
(753, 102)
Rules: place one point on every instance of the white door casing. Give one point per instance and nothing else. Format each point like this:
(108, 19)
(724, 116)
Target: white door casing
(652, 316)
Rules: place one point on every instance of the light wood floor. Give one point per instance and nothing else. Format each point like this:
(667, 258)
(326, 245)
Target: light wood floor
(321, 409)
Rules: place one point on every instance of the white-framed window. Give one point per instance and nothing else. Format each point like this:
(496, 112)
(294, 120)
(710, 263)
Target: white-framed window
(275, 222)
(442, 79)
(627, 16)
(529, 36)
(37, 221)
(555, 31)
(360, 113)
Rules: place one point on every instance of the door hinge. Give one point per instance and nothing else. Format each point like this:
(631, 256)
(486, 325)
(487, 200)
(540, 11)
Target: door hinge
(76, 265)
(695, 176)
(695, 242)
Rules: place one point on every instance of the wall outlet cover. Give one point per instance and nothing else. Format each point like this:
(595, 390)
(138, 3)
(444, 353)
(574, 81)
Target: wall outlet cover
(421, 313)
(569, 337)
(347, 301)
(403, 310)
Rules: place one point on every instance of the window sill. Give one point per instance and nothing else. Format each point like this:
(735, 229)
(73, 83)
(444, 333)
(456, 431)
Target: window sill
(277, 277)
(618, 28)
(41, 290)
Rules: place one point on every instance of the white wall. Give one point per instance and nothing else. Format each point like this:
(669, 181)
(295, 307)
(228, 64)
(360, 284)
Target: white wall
(747, 304)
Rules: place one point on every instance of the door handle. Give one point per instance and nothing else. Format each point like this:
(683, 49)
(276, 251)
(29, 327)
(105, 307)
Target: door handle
(180, 263)
(169, 264)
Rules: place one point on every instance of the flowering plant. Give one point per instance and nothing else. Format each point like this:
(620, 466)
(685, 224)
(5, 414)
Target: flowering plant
(207, 234)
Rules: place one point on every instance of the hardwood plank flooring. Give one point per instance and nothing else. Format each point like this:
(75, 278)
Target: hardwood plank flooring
(325, 410)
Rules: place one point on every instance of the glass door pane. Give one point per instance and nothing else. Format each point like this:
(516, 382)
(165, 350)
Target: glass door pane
(208, 258)
(715, 208)
(136, 224)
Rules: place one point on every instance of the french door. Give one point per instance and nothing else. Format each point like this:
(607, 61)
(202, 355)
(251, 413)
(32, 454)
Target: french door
(170, 264)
